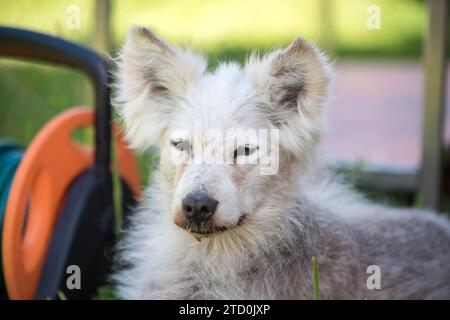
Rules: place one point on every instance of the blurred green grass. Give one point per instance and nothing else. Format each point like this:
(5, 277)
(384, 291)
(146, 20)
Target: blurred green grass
(31, 94)
(221, 27)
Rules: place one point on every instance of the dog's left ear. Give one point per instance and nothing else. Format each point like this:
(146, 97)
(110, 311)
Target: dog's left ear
(294, 82)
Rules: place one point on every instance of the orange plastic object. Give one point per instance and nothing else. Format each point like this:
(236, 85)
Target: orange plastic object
(51, 163)
(127, 164)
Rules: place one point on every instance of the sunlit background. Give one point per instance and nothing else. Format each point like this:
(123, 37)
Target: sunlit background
(375, 116)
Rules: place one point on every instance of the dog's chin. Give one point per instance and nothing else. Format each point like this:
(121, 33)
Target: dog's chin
(208, 231)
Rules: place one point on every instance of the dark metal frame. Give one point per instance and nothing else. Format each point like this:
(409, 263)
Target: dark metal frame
(17, 43)
(434, 104)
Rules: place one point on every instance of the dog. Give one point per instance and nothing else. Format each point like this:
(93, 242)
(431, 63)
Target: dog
(243, 230)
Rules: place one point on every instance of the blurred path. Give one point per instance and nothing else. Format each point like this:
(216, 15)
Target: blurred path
(376, 113)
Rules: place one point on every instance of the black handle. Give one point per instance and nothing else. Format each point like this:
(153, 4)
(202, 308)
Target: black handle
(19, 43)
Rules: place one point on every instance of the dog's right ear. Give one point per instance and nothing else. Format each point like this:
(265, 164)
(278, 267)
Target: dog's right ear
(152, 75)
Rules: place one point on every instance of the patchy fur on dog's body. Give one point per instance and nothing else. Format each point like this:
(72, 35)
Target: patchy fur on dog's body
(270, 225)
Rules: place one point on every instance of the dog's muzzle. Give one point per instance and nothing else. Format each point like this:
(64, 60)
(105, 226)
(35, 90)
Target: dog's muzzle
(198, 209)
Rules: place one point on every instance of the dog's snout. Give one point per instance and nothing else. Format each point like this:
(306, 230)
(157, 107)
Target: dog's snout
(199, 206)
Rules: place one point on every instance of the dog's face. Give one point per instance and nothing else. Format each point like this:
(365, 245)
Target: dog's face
(225, 136)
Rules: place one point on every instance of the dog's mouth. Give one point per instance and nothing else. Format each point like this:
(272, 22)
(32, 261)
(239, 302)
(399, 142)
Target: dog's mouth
(208, 230)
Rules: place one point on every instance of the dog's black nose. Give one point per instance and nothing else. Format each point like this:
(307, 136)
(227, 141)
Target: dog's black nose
(198, 206)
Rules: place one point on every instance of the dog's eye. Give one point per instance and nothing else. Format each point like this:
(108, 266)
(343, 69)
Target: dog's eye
(244, 151)
(181, 145)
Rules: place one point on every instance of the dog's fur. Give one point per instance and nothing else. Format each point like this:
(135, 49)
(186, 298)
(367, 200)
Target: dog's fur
(291, 216)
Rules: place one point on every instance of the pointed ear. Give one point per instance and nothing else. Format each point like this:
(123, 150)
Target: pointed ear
(294, 82)
(151, 77)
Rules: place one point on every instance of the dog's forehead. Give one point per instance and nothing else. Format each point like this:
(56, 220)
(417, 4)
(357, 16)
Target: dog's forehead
(221, 99)
(222, 89)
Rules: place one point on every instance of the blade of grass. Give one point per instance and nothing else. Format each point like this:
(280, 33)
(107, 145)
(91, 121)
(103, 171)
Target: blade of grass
(316, 279)
(61, 295)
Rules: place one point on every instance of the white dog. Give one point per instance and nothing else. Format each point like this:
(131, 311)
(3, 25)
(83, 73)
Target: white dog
(248, 225)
